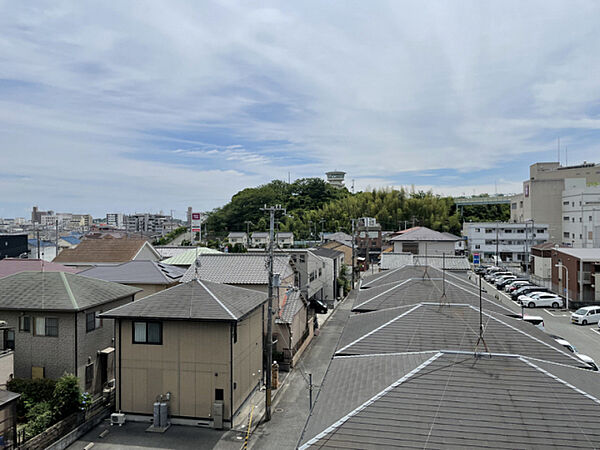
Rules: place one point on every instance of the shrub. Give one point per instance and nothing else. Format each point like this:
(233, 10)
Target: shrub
(66, 398)
(32, 392)
(39, 417)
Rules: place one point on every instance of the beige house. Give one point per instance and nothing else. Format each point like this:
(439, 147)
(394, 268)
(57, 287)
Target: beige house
(200, 341)
(149, 276)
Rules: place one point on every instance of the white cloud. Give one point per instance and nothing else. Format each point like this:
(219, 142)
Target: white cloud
(118, 97)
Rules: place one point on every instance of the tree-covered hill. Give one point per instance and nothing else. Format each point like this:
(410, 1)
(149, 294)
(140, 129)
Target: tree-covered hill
(312, 205)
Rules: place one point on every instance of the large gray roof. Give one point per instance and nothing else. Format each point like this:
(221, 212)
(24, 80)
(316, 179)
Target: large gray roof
(58, 291)
(326, 252)
(194, 300)
(424, 234)
(238, 268)
(453, 400)
(140, 272)
(429, 327)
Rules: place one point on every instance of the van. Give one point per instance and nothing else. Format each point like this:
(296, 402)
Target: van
(585, 315)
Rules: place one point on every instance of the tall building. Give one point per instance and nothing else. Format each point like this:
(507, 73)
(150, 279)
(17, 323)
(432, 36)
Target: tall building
(581, 214)
(151, 223)
(36, 214)
(336, 178)
(541, 199)
(115, 220)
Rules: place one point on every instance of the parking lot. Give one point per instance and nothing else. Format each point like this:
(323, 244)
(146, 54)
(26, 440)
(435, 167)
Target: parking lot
(585, 337)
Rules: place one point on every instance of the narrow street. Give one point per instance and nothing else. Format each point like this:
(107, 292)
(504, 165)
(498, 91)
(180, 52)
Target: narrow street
(291, 408)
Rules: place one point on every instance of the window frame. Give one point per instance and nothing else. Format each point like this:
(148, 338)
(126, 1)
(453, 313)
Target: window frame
(22, 328)
(146, 322)
(90, 325)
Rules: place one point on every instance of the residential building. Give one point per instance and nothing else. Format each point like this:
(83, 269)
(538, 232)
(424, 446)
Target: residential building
(341, 237)
(94, 252)
(284, 239)
(146, 222)
(511, 241)
(333, 259)
(42, 249)
(36, 215)
(581, 213)
(460, 245)
(336, 178)
(81, 222)
(541, 200)
(238, 237)
(344, 248)
(294, 328)
(10, 266)
(149, 276)
(368, 239)
(68, 242)
(13, 246)
(158, 351)
(309, 273)
(576, 270)
(260, 239)
(541, 263)
(424, 241)
(115, 220)
(188, 257)
(57, 328)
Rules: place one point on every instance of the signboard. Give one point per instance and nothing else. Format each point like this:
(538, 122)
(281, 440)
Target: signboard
(196, 222)
(476, 259)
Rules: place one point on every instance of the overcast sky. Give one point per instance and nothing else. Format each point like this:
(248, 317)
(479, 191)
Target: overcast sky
(147, 106)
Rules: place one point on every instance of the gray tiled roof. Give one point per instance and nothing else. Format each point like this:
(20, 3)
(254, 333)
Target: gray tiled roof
(292, 303)
(140, 272)
(238, 268)
(58, 291)
(417, 290)
(429, 327)
(424, 234)
(326, 252)
(454, 400)
(194, 300)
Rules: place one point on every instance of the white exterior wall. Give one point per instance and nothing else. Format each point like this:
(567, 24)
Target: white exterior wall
(395, 260)
(580, 214)
(429, 248)
(542, 267)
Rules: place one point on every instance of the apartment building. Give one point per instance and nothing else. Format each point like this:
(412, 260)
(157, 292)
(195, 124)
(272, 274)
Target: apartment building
(153, 223)
(511, 241)
(115, 220)
(542, 200)
(369, 239)
(581, 213)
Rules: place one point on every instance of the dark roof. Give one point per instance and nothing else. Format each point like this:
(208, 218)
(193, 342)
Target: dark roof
(415, 271)
(58, 291)
(417, 290)
(141, 272)
(238, 268)
(453, 400)
(326, 252)
(429, 327)
(7, 397)
(424, 234)
(102, 251)
(194, 300)
(9, 266)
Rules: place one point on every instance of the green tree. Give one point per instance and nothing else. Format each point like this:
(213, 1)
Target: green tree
(66, 398)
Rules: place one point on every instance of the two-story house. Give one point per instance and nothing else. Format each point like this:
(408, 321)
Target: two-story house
(260, 239)
(238, 237)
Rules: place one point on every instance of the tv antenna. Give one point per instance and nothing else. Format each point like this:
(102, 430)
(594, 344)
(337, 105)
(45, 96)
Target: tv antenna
(481, 339)
(444, 297)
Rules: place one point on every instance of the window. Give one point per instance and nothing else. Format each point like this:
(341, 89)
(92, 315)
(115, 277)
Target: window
(590, 218)
(477, 246)
(477, 230)
(573, 220)
(89, 375)
(566, 234)
(219, 395)
(580, 219)
(566, 218)
(513, 205)
(25, 324)
(566, 203)
(147, 333)
(572, 203)
(46, 326)
(92, 321)
(10, 339)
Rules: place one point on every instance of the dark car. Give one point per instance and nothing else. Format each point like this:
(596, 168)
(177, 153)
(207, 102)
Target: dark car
(526, 290)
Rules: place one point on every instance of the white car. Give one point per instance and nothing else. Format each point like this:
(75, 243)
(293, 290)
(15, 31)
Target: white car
(585, 358)
(585, 315)
(515, 285)
(541, 299)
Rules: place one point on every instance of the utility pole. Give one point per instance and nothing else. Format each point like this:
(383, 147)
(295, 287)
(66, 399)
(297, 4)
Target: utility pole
(497, 226)
(269, 362)
(56, 240)
(323, 221)
(353, 255)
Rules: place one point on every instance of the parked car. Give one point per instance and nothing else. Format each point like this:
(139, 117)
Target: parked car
(501, 281)
(534, 320)
(516, 284)
(585, 358)
(536, 299)
(495, 275)
(586, 315)
(526, 290)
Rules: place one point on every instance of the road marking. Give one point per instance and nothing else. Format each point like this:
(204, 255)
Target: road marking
(595, 331)
(556, 315)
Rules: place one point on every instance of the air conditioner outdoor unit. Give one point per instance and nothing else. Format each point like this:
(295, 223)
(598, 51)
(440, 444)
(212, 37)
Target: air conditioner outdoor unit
(117, 419)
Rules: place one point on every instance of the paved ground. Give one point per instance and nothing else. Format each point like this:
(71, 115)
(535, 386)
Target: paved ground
(292, 407)
(132, 436)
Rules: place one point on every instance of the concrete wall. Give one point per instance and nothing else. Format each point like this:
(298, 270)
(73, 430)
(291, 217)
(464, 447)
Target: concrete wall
(395, 260)
(193, 361)
(542, 267)
(7, 367)
(247, 357)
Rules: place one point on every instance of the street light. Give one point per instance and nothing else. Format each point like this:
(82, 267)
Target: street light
(567, 285)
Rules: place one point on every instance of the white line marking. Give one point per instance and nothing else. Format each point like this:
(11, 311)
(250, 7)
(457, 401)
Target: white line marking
(379, 295)
(595, 331)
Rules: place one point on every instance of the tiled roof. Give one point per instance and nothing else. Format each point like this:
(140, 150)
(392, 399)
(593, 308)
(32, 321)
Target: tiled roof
(102, 251)
(141, 272)
(57, 291)
(260, 234)
(292, 304)
(429, 327)
(445, 400)
(188, 257)
(168, 251)
(194, 300)
(237, 234)
(326, 252)
(9, 266)
(424, 234)
(71, 240)
(34, 243)
(238, 268)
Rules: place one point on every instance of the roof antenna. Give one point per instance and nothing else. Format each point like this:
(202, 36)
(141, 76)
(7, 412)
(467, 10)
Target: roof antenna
(481, 339)
(196, 264)
(425, 273)
(444, 298)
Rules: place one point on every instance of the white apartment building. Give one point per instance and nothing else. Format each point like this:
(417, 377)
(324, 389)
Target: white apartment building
(115, 220)
(512, 241)
(153, 223)
(581, 213)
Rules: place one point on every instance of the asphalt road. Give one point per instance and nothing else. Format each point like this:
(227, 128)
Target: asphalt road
(585, 337)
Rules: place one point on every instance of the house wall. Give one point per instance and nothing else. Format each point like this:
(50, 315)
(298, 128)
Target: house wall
(149, 289)
(7, 367)
(428, 248)
(342, 248)
(90, 343)
(193, 361)
(146, 254)
(247, 357)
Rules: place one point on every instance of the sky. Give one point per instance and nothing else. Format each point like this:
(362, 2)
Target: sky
(142, 106)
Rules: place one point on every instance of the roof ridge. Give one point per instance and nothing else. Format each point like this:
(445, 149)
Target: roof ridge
(217, 300)
(68, 289)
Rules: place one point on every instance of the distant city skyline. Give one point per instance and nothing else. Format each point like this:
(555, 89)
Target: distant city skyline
(113, 108)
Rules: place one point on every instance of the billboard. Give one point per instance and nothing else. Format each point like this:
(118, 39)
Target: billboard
(196, 222)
